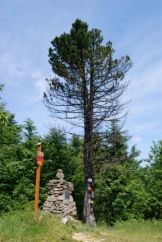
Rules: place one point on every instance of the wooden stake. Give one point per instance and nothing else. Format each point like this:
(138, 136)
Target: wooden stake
(37, 187)
(40, 159)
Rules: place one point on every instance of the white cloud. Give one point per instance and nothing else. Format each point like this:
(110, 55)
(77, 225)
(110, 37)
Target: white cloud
(40, 87)
(39, 83)
(145, 126)
(143, 109)
(148, 81)
(136, 139)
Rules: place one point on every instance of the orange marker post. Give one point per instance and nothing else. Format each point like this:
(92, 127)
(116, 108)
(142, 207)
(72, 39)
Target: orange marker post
(40, 159)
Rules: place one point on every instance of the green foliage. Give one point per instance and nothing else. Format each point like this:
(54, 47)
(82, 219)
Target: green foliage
(112, 145)
(121, 193)
(18, 162)
(9, 130)
(155, 181)
(17, 165)
(124, 189)
(59, 154)
(29, 131)
(115, 141)
(9, 154)
(78, 176)
(155, 156)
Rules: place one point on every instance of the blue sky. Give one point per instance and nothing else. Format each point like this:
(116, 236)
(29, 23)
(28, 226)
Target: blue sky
(27, 28)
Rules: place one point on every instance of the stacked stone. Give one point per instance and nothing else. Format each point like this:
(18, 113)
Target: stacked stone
(60, 200)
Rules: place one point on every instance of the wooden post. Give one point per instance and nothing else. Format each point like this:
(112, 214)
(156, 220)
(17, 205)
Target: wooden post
(40, 159)
(37, 185)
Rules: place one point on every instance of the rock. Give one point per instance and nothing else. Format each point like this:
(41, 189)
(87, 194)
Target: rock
(51, 198)
(60, 200)
(64, 220)
(74, 213)
(47, 204)
(60, 174)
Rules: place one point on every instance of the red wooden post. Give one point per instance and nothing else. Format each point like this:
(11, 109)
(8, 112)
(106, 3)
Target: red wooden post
(40, 159)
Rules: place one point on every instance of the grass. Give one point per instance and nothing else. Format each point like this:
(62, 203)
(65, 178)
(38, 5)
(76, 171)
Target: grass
(131, 231)
(24, 226)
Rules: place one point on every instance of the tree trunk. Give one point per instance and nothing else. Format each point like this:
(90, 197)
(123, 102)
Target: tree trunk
(88, 212)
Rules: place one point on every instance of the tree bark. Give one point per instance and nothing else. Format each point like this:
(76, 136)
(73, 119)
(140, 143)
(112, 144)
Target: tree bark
(88, 211)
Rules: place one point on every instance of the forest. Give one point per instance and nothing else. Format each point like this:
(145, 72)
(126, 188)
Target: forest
(125, 189)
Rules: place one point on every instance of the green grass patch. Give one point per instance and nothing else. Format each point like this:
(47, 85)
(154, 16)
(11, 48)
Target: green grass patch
(137, 231)
(24, 226)
(130, 231)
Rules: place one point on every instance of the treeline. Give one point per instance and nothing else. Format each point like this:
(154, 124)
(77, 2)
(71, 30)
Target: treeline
(124, 189)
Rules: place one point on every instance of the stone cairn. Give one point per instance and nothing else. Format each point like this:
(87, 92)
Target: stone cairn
(60, 200)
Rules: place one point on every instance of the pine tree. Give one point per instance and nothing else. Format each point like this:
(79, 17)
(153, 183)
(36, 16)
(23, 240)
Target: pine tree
(86, 88)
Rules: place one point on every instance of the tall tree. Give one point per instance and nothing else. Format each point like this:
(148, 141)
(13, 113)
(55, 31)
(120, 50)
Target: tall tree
(155, 182)
(29, 129)
(155, 155)
(9, 151)
(86, 89)
(111, 145)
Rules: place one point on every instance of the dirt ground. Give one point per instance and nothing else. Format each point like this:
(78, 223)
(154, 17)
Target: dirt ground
(85, 238)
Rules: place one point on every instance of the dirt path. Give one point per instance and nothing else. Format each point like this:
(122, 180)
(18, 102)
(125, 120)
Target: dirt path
(85, 238)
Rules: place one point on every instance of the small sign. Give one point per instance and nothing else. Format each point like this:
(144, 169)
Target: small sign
(67, 195)
(89, 179)
(40, 157)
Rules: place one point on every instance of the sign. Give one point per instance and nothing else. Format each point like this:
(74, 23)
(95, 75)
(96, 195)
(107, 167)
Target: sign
(40, 155)
(91, 187)
(89, 179)
(67, 195)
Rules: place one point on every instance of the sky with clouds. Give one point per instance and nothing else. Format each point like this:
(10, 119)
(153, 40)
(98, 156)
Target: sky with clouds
(135, 28)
